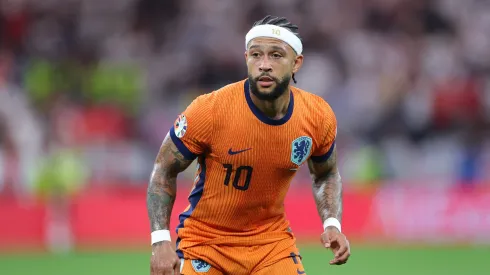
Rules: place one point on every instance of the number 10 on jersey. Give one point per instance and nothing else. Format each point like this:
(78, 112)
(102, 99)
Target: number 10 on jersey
(236, 180)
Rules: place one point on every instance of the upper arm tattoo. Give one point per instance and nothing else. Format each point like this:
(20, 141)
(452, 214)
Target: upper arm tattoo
(327, 187)
(162, 189)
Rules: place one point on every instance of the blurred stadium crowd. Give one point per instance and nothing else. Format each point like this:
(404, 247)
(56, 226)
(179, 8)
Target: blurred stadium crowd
(89, 88)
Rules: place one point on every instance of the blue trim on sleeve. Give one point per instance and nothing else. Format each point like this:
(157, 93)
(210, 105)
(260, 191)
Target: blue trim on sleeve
(181, 146)
(194, 199)
(324, 157)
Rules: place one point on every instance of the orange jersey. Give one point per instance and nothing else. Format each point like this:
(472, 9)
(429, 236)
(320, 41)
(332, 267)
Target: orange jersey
(246, 161)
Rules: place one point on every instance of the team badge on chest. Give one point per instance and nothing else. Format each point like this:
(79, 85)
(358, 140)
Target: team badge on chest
(300, 150)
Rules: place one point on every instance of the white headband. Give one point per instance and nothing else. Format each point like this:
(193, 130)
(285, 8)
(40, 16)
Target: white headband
(275, 32)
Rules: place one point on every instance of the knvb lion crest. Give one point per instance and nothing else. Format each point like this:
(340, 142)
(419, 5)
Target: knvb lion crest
(200, 266)
(301, 148)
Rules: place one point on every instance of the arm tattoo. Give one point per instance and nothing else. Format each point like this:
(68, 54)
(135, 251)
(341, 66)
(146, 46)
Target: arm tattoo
(162, 188)
(327, 188)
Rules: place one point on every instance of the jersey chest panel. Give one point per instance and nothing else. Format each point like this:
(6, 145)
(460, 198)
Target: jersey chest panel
(266, 147)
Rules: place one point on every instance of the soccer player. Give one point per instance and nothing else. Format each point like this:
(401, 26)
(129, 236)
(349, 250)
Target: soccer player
(250, 138)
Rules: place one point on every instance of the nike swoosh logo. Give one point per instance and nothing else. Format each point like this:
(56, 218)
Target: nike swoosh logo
(231, 152)
(300, 272)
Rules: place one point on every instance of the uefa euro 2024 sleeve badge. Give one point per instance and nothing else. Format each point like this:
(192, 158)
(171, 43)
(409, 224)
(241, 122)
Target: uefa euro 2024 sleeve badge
(300, 150)
(180, 126)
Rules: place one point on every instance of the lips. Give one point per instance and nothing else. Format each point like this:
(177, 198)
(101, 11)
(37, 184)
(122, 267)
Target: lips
(265, 81)
(265, 78)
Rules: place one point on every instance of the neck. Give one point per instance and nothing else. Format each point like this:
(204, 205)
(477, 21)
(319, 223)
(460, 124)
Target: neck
(275, 109)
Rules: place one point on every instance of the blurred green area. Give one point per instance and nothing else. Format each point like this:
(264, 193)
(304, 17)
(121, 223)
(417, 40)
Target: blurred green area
(60, 174)
(364, 260)
(104, 83)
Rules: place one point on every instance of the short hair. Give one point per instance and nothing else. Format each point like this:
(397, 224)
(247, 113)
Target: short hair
(280, 22)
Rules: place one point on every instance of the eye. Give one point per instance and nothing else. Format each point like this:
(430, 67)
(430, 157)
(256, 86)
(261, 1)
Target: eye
(276, 55)
(255, 54)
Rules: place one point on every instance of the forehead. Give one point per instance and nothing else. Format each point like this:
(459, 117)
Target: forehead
(269, 43)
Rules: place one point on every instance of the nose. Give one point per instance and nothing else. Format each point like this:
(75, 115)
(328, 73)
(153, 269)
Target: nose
(265, 65)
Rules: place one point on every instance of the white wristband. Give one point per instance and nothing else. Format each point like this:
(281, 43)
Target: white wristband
(160, 235)
(332, 222)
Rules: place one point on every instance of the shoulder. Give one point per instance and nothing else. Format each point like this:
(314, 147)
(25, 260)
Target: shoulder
(321, 116)
(314, 105)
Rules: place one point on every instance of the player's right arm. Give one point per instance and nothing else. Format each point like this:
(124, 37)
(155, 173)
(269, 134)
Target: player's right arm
(189, 137)
(161, 194)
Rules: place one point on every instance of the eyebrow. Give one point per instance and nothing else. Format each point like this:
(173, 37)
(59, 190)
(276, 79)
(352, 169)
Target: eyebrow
(274, 48)
(277, 48)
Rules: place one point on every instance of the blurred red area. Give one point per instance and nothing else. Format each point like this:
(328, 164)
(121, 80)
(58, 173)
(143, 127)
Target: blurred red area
(117, 216)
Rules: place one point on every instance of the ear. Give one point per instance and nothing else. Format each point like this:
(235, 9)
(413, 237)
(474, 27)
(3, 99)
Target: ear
(246, 56)
(298, 62)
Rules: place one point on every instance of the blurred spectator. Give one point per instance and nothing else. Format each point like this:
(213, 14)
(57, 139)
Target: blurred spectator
(97, 84)
(22, 128)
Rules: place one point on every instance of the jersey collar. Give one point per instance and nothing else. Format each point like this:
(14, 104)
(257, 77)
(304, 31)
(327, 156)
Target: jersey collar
(263, 117)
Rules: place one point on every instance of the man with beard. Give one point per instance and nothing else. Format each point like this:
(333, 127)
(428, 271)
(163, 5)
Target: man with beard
(250, 138)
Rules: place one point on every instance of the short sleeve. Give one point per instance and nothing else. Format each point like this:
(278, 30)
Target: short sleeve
(328, 135)
(192, 130)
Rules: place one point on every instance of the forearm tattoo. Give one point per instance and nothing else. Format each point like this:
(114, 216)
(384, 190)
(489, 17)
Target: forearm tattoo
(162, 189)
(327, 188)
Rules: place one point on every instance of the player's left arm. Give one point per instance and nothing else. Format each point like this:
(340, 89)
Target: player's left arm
(327, 190)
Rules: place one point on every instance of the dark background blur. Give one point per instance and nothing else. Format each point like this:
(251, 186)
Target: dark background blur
(408, 81)
(89, 89)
